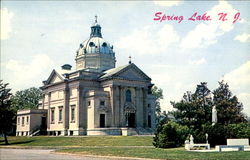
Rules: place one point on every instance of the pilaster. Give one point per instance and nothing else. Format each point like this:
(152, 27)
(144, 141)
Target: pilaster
(48, 116)
(66, 108)
(145, 106)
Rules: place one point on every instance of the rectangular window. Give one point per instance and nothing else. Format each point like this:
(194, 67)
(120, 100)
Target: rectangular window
(102, 103)
(18, 120)
(149, 106)
(27, 119)
(22, 121)
(149, 121)
(52, 115)
(89, 103)
(60, 113)
(73, 113)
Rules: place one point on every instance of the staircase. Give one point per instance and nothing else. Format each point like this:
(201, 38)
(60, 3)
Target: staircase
(145, 131)
(37, 131)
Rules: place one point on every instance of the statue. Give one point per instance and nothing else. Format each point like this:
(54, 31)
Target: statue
(206, 137)
(191, 139)
(214, 115)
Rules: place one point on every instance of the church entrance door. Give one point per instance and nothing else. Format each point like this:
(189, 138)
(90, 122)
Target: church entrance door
(131, 120)
(43, 123)
(102, 120)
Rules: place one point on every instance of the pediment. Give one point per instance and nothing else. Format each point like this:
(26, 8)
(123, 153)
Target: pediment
(54, 77)
(128, 72)
(131, 74)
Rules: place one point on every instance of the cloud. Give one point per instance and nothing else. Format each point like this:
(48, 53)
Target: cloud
(239, 83)
(6, 28)
(198, 62)
(21, 75)
(243, 38)
(167, 3)
(174, 80)
(206, 33)
(149, 40)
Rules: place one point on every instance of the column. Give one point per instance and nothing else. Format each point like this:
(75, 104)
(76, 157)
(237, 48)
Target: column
(112, 102)
(48, 115)
(145, 106)
(116, 106)
(66, 110)
(43, 100)
(139, 107)
(122, 102)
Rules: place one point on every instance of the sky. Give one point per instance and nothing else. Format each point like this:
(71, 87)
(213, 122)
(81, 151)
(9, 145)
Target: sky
(39, 36)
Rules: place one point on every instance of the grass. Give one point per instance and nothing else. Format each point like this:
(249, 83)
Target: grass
(131, 146)
(170, 154)
(81, 141)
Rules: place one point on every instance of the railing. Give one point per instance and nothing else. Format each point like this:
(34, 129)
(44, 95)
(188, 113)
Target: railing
(35, 131)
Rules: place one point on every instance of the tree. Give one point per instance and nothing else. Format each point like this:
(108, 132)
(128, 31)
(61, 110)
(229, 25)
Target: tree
(194, 109)
(229, 109)
(26, 99)
(158, 93)
(7, 115)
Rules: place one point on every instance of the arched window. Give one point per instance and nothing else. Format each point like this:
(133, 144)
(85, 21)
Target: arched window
(128, 96)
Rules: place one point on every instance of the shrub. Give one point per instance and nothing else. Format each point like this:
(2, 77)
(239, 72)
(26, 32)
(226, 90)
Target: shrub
(170, 135)
(218, 134)
(241, 130)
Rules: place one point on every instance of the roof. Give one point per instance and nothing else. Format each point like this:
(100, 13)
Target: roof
(116, 71)
(113, 71)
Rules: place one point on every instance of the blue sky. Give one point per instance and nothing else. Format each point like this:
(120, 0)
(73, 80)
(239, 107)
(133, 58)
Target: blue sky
(37, 37)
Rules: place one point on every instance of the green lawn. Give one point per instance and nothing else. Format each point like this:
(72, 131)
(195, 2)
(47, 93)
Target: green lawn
(80, 141)
(170, 154)
(130, 146)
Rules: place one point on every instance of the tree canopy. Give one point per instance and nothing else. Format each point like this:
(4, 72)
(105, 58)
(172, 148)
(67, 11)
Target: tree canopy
(228, 107)
(7, 115)
(193, 116)
(195, 109)
(158, 93)
(26, 99)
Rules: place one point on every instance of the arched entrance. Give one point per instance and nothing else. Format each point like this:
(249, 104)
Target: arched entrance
(130, 115)
(131, 120)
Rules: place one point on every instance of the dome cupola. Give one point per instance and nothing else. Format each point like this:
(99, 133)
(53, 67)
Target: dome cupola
(96, 29)
(95, 53)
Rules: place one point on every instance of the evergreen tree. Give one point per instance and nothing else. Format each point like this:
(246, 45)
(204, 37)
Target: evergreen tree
(229, 109)
(194, 109)
(7, 115)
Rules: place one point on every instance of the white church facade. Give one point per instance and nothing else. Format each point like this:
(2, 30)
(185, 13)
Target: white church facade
(97, 98)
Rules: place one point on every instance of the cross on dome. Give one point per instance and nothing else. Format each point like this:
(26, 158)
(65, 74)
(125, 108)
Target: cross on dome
(95, 18)
(129, 59)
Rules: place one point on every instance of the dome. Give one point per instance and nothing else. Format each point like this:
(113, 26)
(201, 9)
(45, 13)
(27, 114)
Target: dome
(95, 54)
(95, 45)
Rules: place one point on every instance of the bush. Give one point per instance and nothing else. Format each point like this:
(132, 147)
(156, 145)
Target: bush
(218, 134)
(241, 130)
(170, 135)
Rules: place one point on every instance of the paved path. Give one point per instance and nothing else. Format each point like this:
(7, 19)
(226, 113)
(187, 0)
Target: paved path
(42, 154)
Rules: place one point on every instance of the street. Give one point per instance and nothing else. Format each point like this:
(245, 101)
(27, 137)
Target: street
(42, 154)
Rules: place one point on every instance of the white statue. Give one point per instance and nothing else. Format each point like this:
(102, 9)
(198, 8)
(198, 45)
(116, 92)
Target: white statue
(206, 137)
(214, 115)
(191, 139)
(187, 144)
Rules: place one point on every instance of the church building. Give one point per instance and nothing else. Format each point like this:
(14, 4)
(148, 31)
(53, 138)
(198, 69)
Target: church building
(96, 98)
